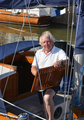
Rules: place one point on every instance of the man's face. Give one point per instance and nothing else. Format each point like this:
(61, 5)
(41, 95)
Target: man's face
(47, 44)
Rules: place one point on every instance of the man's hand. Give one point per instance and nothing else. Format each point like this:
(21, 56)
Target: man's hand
(34, 70)
(62, 63)
(58, 63)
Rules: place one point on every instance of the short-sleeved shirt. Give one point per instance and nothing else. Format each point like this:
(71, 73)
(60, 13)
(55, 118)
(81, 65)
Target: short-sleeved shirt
(42, 60)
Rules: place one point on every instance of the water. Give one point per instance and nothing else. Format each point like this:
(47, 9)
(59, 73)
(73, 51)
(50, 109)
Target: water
(12, 33)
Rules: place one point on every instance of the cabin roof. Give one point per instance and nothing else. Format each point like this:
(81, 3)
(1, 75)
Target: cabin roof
(15, 47)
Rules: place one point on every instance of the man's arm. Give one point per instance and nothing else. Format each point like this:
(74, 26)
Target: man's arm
(34, 70)
(62, 63)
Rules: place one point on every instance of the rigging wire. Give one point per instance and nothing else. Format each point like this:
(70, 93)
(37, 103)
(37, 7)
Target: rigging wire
(70, 50)
(67, 68)
(19, 30)
(31, 35)
(13, 59)
(15, 53)
(12, 63)
(22, 109)
(9, 115)
(77, 32)
(13, 56)
(35, 57)
(4, 51)
(76, 82)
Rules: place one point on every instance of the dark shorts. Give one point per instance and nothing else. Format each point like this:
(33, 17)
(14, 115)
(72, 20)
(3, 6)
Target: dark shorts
(56, 89)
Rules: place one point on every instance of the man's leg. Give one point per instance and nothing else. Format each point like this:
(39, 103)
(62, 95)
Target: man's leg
(40, 95)
(49, 103)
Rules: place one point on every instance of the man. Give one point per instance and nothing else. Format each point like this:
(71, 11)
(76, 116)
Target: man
(47, 56)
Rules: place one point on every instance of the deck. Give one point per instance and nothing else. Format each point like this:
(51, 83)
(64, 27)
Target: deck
(32, 105)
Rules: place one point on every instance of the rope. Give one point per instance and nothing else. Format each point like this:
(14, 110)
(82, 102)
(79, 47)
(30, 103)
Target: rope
(66, 74)
(34, 47)
(12, 62)
(70, 46)
(35, 56)
(12, 59)
(66, 70)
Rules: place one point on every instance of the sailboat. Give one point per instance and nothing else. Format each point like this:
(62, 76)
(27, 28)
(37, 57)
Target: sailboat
(18, 60)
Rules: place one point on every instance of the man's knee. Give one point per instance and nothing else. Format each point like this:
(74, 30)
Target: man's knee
(47, 98)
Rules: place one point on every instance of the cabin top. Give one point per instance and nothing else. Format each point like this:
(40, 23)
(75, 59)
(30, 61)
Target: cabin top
(6, 70)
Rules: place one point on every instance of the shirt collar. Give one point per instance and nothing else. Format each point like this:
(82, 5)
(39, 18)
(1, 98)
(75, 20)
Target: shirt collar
(51, 50)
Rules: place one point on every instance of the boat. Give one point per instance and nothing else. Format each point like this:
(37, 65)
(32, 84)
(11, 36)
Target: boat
(35, 16)
(16, 61)
(19, 74)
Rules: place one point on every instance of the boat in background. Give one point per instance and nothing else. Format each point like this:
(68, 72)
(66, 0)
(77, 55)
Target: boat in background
(35, 16)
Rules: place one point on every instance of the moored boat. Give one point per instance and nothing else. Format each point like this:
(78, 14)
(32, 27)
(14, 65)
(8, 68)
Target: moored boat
(35, 17)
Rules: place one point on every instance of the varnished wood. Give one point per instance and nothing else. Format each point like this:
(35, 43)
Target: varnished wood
(8, 16)
(8, 59)
(11, 91)
(78, 112)
(28, 53)
(29, 59)
(21, 80)
(49, 77)
(12, 67)
(3, 117)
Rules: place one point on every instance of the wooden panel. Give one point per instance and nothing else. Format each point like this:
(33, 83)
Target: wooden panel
(7, 16)
(3, 117)
(9, 66)
(25, 78)
(18, 18)
(78, 112)
(11, 91)
(10, 58)
(28, 53)
(50, 76)
(29, 59)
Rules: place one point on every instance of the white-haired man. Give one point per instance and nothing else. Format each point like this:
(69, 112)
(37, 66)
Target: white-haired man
(47, 56)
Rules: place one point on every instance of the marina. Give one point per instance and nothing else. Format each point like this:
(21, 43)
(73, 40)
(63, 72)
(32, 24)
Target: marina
(18, 45)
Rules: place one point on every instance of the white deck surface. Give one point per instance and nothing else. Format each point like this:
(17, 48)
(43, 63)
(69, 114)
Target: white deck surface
(5, 72)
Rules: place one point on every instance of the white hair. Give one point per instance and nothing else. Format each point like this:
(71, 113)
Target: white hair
(46, 34)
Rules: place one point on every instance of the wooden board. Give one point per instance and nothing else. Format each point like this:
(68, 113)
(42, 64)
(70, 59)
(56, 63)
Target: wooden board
(49, 76)
(3, 117)
(78, 112)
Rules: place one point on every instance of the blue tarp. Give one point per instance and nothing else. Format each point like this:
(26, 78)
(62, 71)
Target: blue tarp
(9, 49)
(20, 4)
(79, 43)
